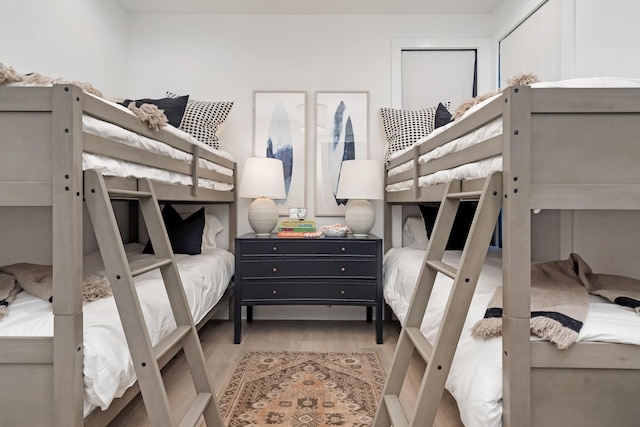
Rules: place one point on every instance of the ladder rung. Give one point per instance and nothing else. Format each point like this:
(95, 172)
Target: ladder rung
(467, 195)
(171, 340)
(196, 410)
(129, 194)
(150, 265)
(396, 413)
(420, 343)
(443, 268)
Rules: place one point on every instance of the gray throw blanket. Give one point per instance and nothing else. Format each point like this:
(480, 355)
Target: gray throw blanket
(8, 290)
(559, 300)
(37, 280)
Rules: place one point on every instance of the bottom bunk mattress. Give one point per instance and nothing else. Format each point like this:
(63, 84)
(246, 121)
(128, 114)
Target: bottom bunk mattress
(108, 369)
(475, 378)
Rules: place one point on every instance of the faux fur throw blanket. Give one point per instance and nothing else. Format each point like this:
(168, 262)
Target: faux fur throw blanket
(559, 300)
(37, 280)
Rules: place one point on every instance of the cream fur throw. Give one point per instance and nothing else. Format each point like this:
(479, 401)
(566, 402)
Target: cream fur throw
(148, 113)
(521, 79)
(37, 280)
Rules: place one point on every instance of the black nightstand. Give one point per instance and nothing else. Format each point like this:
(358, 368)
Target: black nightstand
(314, 271)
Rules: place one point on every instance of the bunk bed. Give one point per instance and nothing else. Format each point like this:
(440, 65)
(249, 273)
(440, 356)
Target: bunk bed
(565, 145)
(49, 136)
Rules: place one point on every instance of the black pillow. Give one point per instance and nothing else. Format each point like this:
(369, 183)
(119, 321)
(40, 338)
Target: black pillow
(461, 223)
(442, 117)
(173, 107)
(185, 235)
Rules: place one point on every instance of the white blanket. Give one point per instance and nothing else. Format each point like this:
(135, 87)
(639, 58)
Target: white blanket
(475, 379)
(484, 167)
(108, 369)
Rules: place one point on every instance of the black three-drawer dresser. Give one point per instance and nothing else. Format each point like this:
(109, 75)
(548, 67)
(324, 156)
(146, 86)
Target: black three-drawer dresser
(308, 271)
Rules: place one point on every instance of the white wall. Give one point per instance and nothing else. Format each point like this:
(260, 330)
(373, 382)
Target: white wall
(70, 39)
(228, 57)
(607, 35)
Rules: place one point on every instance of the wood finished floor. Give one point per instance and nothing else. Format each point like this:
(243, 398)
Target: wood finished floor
(282, 335)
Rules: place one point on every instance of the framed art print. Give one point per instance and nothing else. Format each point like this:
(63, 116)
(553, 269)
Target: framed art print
(342, 133)
(279, 123)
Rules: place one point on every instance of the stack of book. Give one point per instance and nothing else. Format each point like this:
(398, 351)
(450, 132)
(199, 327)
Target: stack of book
(296, 228)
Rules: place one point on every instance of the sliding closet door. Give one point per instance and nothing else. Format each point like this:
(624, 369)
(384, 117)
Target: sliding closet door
(430, 76)
(534, 45)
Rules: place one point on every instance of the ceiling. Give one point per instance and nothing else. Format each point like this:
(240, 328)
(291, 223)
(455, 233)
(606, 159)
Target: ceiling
(311, 7)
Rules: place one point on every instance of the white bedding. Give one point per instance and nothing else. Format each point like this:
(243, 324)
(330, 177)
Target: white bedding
(475, 379)
(484, 167)
(113, 167)
(108, 369)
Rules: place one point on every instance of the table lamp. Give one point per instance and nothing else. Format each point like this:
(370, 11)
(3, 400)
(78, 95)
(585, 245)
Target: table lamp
(263, 180)
(360, 181)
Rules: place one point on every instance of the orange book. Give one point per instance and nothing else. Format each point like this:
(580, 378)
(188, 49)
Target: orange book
(291, 233)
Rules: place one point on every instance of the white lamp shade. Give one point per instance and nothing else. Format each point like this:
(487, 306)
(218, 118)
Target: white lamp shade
(262, 177)
(360, 179)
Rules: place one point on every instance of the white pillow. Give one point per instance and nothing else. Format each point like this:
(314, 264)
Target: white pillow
(415, 233)
(212, 227)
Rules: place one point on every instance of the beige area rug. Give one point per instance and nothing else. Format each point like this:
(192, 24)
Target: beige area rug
(303, 389)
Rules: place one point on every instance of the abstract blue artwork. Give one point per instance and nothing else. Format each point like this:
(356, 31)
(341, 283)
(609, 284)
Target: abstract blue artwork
(341, 147)
(344, 138)
(279, 144)
(279, 133)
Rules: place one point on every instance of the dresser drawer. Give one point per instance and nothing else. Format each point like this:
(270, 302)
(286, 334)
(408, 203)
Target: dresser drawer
(316, 267)
(307, 292)
(308, 247)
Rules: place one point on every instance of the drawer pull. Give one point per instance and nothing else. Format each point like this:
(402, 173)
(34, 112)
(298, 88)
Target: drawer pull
(275, 249)
(274, 292)
(342, 292)
(275, 270)
(343, 249)
(343, 269)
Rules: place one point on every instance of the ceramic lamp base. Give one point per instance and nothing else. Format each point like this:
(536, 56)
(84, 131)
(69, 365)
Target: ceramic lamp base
(263, 216)
(360, 217)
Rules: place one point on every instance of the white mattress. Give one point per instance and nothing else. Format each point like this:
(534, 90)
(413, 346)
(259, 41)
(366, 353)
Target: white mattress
(475, 379)
(108, 369)
(113, 167)
(484, 167)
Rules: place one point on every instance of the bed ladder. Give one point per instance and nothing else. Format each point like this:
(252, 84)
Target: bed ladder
(438, 357)
(145, 356)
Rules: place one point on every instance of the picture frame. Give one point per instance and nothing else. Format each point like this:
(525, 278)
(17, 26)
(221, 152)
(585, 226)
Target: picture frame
(279, 123)
(342, 133)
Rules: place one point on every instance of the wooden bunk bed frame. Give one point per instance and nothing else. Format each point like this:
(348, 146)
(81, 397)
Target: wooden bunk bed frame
(562, 148)
(41, 165)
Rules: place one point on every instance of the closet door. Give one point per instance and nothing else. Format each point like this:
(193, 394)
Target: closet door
(534, 45)
(430, 76)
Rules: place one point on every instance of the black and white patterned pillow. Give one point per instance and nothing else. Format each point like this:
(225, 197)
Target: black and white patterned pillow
(202, 118)
(403, 128)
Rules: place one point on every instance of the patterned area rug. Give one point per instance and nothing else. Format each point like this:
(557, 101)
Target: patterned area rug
(303, 389)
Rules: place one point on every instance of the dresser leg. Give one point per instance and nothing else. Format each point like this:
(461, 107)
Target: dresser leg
(249, 313)
(369, 314)
(237, 324)
(379, 321)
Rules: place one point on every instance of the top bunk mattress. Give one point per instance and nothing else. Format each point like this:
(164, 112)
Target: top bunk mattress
(120, 168)
(118, 164)
(484, 167)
